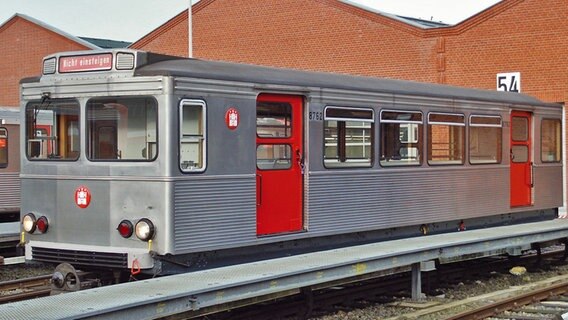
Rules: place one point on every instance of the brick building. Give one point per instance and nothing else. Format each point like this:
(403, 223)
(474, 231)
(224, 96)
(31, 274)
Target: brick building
(525, 36)
(24, 42)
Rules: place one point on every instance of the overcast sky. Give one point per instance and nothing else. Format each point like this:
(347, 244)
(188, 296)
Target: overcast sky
(129, 20)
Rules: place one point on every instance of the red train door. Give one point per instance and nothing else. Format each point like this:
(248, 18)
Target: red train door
(279, 164)
(521, 163)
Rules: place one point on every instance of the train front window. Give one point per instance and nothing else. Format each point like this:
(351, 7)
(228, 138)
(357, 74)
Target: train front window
(485, 138)
(348, 137)
(3, 147)
(401, 138)
(52, 130)
(446, 138)
(122, 129)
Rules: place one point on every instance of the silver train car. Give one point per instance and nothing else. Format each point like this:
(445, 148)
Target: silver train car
(9, 164)
(154, 164)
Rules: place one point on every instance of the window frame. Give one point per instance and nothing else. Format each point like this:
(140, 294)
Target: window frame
(289, 160)
(420, 142)
(27, 129)
(87, 133)
(345, 164)
(200, 138)
(288, 121)
(541, 141)
(485, 125)
(429, 123)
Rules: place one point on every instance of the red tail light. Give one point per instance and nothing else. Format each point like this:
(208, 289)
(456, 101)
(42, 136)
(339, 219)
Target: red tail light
(42, 224)
(125, 228)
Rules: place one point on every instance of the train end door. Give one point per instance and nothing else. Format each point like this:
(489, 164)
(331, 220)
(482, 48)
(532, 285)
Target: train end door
(279, 164)
(521, 161)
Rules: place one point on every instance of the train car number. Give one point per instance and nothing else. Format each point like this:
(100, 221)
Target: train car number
(316, 116)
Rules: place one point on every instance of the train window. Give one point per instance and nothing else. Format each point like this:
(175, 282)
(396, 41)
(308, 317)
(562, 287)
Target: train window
(485, 139)
(519, 154)
(520, 129)
(401, 138)
(446, 138)
(273, 119)
(348, 137)
(122, 129)
(551, 140)
(52, 130)
(192, 136)
(3, 147)
(273, 156)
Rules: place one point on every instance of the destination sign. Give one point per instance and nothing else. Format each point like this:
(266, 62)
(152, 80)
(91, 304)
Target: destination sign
(85, 63)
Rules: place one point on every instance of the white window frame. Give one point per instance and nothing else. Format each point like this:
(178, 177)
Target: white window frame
(194, 138)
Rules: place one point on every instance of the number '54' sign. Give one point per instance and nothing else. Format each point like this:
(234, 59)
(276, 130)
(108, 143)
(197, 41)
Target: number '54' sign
(509, 82)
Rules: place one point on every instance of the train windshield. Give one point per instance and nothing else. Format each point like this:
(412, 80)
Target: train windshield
(122, 129)
(52, 130)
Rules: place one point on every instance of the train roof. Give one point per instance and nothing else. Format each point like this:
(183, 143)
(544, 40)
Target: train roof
(196, 68)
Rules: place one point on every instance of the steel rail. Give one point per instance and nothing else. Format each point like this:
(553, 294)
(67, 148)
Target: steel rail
(510, 304)
(22, 289)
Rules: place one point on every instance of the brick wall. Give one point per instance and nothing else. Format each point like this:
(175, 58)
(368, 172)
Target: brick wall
(321, 35)
(23, 46)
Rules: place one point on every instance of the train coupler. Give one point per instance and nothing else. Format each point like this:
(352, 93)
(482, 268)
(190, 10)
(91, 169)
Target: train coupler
(66, 279)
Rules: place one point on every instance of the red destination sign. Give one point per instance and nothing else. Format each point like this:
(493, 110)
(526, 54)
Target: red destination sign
(94, 62)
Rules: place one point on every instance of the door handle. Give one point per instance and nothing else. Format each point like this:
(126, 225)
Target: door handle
(532, 174)
(300, 160)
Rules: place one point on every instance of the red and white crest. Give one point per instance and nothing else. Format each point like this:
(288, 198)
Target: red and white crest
(232, 118)
(82, 197)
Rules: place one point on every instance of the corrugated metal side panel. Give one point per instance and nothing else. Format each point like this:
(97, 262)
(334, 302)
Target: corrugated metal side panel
(548, 186)
(9, 191)
(348, 202)
(214, 212)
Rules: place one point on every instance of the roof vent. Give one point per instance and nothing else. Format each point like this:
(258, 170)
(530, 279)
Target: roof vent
(49, 66)
(124, 61)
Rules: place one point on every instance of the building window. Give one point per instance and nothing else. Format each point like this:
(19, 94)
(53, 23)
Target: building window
(551, 140)
(485, 139)
(401, 138)
(348, 137)
(193, 146)
(3, 147)
(122, 129)
(446, 138)
(52, 130)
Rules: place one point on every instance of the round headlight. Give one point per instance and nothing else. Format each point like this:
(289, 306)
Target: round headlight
(144, 229)
(29, 223)
(125, 228)
(42, 224)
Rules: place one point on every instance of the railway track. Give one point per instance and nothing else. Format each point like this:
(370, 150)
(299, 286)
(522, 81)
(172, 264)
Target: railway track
(22, 289)
(388, 292)
(550, 302)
